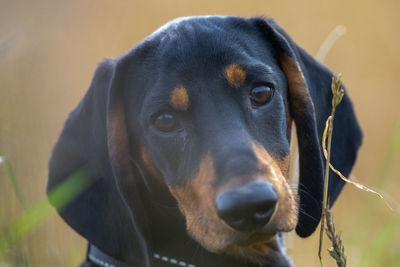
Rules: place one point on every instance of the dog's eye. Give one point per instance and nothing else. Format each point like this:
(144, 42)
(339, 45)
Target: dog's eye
(165, 122)
(261, 95)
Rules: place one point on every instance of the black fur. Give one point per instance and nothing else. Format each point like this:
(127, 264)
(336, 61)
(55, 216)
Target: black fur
(127, 213)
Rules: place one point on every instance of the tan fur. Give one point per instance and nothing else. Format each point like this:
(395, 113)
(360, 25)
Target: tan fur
(283, 164)
(179, 98)
(300, 98)
(196, 200)
(149, 163)
(285, 215)
(235, 75)
(289, 121)
(294, 170)
(118, 144)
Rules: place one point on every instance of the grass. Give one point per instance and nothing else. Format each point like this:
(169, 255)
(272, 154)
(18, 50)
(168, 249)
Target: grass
(34, 216)
(337, 251)
(14, 182)
(386, 237)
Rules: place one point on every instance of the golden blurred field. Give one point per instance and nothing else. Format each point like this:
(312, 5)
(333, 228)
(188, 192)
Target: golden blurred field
(49, 51)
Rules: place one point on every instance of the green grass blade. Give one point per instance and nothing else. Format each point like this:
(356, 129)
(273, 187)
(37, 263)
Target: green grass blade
(14, 182)
(31, 219)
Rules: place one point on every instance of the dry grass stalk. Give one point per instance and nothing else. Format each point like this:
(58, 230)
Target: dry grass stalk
(358, 185)
(338, 93)
(337, 249)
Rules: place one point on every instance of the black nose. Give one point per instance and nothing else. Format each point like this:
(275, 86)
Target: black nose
(248, 207)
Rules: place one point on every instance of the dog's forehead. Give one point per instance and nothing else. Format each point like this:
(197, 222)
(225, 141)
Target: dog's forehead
(203, 41)
(197, 46)
(190, 51)
(198, 24)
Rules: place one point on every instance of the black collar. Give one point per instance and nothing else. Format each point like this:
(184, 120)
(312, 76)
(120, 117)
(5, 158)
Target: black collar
(100, 258)
(203, 258)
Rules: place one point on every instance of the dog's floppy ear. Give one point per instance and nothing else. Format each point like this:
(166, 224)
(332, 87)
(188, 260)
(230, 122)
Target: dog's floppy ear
(310, 99)
(95, 138)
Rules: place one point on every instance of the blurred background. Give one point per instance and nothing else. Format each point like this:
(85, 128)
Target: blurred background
(50, 49)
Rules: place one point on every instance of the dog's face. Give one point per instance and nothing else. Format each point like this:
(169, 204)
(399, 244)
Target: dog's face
(215, 120)
(203, 109)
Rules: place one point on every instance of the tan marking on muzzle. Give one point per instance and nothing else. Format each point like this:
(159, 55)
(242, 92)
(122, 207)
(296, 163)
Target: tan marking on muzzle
(235, 75)
(283, 164)
(179, 98)
(196, 200)
(285, 215)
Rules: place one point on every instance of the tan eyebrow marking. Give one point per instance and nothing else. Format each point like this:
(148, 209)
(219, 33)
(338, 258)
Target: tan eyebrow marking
(235, 75)
(179, 98)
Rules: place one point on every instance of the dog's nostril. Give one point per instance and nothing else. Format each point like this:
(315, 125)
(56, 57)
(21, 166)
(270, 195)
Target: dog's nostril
(248, 207)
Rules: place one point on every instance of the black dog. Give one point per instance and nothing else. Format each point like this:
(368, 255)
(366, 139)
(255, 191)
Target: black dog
(187, 136)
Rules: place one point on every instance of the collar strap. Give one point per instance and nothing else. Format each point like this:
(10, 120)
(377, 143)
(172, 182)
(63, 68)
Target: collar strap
(100, 258)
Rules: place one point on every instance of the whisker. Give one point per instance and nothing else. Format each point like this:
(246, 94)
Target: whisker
(303, 212)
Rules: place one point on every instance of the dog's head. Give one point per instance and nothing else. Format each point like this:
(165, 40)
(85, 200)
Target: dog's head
(203, 109)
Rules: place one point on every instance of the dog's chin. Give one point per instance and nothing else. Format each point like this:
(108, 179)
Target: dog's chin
(264, 251)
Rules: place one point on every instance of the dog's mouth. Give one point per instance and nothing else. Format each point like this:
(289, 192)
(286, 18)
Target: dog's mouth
(256, 239)
(264, 249)
(255, 243)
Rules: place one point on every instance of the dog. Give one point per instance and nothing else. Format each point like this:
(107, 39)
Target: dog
(187, 139)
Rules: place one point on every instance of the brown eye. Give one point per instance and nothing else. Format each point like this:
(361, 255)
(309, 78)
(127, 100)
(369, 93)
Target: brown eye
(261, 95)
(165, 122)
